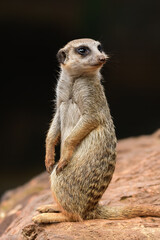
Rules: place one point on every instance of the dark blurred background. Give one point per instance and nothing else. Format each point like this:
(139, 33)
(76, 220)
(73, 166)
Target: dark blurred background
(31, 34)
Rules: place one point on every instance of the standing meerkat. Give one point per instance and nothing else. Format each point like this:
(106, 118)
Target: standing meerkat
(83, 124)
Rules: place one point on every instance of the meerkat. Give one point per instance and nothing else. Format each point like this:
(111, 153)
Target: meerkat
(83, 125)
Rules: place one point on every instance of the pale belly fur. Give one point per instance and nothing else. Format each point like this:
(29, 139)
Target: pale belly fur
(69, 116)
(82, 171)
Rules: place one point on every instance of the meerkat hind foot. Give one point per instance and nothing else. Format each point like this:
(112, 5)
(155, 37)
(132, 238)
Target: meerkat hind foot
(48, 209)
(50, 218)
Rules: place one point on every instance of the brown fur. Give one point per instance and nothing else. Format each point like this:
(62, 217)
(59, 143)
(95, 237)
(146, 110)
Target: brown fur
(84, 126)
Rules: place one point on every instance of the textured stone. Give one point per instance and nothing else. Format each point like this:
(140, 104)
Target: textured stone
(136, 180)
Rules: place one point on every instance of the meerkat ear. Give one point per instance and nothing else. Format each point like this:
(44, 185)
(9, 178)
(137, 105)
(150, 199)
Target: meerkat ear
(61, 56)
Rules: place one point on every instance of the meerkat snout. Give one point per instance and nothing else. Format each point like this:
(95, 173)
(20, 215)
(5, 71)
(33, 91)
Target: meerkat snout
(102, 59)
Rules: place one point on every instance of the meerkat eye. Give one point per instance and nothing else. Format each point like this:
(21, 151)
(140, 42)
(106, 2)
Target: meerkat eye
(100, 48)
(83, 50)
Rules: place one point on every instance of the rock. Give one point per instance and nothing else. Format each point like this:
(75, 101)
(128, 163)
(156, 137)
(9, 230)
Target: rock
(136, 180)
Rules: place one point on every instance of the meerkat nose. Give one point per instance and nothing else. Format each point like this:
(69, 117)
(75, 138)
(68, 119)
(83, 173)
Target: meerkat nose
(102, 59)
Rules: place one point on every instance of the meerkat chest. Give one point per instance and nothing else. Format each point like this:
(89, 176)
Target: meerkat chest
(64, 92)
(68, 92)
(69, 110)
(69, 116)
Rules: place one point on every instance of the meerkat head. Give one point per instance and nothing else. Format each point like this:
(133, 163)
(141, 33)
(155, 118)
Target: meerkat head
(82, 56)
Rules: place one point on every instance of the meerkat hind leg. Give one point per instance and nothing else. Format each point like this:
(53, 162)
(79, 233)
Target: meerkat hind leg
(48, 209)
(50, 218)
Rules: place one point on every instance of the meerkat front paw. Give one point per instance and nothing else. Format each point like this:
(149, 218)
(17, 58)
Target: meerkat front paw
(49, 163)
(65, 158)
(61, 165)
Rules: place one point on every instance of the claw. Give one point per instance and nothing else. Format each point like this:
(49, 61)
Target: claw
(50, 168)
(37, 219)
(61, 165)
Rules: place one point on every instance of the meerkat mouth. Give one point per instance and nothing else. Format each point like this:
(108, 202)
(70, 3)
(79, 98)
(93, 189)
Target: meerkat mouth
(97, 64)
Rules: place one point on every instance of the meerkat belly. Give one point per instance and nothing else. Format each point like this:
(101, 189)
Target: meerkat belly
(88, 173)
(69, 114)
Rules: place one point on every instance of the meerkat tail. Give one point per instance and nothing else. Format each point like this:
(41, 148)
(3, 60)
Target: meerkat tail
(126, 212)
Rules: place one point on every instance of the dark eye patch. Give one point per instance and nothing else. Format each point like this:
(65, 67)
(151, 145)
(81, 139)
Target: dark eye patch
(83, 50)
(100, 48)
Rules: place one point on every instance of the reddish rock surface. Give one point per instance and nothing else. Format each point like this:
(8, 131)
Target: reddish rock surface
(136, 180)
